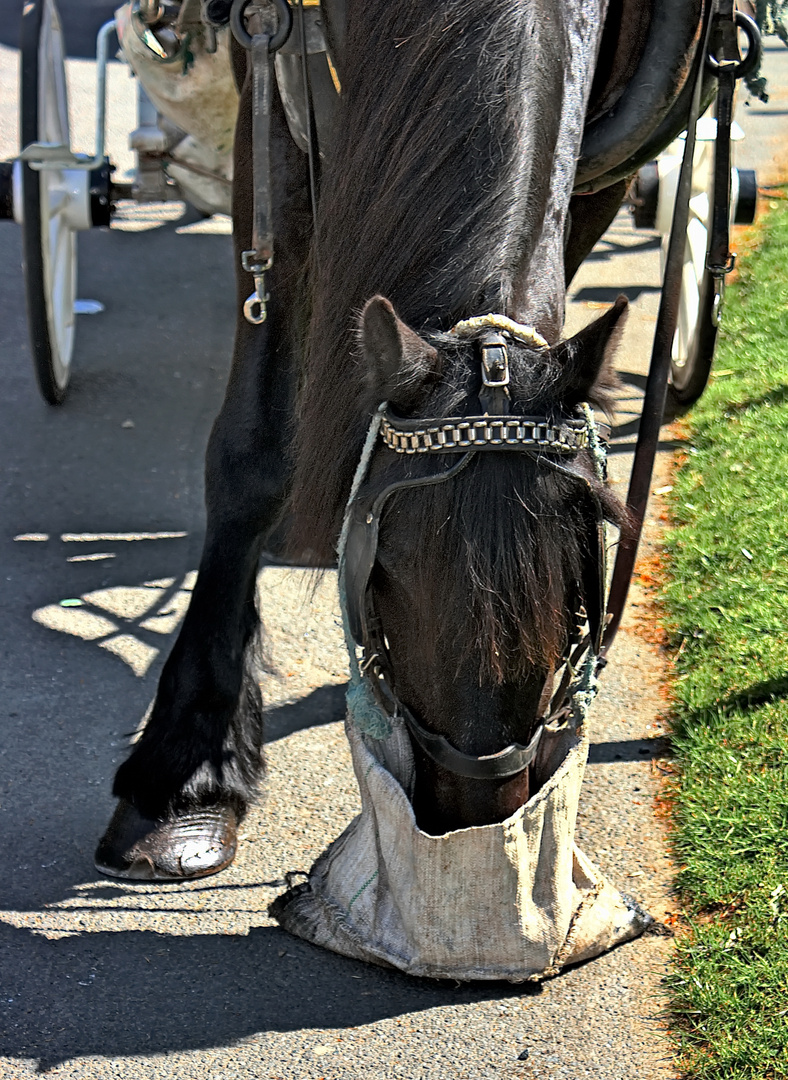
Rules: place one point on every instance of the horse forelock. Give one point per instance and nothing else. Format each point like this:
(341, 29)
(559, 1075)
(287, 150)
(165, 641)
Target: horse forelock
(519, 538)
(518, 558)
(434, 195)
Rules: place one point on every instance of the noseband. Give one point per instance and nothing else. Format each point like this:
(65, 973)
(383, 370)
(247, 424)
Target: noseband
(547, 441)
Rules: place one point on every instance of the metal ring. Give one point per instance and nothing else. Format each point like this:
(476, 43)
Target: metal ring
(242, 35)
(752, 59)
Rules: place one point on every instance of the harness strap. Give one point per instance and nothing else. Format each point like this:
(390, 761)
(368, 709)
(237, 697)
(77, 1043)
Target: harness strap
(272, 23)
(506, 763)
(659, 370)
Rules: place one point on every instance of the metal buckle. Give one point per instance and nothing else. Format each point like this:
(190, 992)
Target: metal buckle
(495, 360)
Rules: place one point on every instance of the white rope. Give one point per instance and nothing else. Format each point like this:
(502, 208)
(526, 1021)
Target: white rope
(527, 335)
(358, 476)
(595, 444)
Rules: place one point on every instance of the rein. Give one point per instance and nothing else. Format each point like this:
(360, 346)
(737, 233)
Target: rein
(372, 699)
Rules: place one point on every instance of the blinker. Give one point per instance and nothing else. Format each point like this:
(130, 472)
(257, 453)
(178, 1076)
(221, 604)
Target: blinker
(360, 554)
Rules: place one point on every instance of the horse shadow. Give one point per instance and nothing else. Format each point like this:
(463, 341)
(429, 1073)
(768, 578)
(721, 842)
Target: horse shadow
(124, 994)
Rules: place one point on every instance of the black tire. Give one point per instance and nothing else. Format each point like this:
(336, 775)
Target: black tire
(51, 344)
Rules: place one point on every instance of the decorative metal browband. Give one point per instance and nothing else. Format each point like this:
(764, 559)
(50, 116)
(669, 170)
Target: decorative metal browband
(483, 433)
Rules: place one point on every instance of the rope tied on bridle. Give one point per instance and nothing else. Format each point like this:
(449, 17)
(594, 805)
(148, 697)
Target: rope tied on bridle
(362, 707)
(526, 335)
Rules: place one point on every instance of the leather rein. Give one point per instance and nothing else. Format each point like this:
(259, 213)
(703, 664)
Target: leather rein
(547, 441)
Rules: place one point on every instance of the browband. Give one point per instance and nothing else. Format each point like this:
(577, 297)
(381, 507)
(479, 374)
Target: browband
(457, 435)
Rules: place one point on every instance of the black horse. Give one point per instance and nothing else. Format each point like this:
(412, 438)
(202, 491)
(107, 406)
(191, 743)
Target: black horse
(447, 194)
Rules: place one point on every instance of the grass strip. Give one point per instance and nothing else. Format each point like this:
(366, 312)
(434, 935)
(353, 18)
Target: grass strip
(725, 608)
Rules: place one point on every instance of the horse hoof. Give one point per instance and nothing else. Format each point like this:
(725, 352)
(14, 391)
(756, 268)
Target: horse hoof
(190, 844)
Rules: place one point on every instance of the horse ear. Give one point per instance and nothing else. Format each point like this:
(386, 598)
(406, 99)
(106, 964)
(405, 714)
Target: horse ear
(399, 363)
(585, 359)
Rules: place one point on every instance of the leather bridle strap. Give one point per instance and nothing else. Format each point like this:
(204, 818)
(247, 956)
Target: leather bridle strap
(361, 546)
(659, 370)
(501, 766)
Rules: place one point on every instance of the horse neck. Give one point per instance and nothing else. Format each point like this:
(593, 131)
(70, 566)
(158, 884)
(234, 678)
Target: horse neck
(447, 191)
(539, 290)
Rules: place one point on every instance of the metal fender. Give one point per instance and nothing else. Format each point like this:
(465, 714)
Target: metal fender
(614, 138)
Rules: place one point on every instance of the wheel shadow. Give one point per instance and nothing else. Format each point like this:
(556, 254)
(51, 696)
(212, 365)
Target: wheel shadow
(608, 248)
(629, 406)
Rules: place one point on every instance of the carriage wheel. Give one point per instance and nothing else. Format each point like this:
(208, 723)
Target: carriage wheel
(696, 332)
(655, 196)
(51, 202)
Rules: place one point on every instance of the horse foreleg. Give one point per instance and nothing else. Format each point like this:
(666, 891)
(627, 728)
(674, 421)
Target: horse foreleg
(190, 777)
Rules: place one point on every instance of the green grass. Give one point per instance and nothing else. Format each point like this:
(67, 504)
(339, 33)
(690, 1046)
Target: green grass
(725, 604)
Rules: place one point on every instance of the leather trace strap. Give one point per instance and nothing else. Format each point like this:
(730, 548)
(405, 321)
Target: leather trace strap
(718, 37)
(725, 60)
(271, 21)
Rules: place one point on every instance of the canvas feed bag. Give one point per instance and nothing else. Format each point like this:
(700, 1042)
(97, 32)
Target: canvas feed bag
(516, 900)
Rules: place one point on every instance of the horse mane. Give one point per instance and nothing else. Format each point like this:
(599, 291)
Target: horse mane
(433, 195)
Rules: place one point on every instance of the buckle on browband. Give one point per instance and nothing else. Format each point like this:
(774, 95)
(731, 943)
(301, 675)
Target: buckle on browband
(495, 360)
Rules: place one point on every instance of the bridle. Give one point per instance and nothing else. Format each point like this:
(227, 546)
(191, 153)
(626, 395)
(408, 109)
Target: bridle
(549, 442)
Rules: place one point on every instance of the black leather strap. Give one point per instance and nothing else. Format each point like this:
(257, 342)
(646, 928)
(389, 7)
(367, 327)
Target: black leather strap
(727, 58)
(659, 368)
(506, 763)
(361, 547)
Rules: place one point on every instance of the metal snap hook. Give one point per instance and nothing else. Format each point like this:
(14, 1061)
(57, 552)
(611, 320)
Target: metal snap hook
(255, 307)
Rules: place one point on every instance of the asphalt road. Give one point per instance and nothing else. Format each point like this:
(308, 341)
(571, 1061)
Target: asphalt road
(99, 979)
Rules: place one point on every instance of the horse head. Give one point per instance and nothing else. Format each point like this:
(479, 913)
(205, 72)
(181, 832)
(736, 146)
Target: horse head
(447, 193)
(485, 502)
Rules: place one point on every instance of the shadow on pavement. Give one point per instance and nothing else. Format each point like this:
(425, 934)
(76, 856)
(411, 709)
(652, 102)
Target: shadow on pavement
(123, 454)
(629, 750)
(123, 994)
(325, 705)
(604, 294)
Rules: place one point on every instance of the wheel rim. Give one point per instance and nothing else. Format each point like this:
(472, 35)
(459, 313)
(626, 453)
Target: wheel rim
(54, 201)
(58, 238)
(690, 314)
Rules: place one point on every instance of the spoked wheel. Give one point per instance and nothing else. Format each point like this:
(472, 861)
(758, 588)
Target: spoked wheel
(52, 201)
